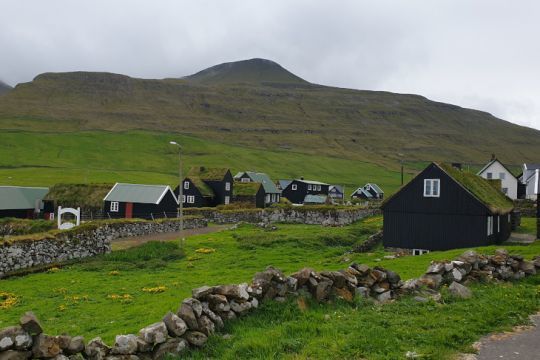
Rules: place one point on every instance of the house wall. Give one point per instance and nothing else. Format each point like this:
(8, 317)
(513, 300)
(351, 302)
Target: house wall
(297, 196)
(532, 187)
(509, 182)
(200, 201)
(167, 208)
(219, 189)
(453, 220)
(18, 213)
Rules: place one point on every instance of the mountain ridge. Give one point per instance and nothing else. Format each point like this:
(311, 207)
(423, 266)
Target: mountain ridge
(4, 88)
(364, 125)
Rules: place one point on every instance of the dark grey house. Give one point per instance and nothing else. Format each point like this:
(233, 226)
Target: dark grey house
(271, 193)
(207, 187)
(335, 192)
(445, 208)
(140, 201)
(370, 191)
(297, 190)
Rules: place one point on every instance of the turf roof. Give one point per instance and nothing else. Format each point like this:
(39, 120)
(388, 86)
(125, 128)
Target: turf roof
(246, 189)
(209, 174)
(204, 189)
(494, 199)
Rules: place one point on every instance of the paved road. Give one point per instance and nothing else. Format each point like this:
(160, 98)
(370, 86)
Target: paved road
(523, 345)
(127, 242)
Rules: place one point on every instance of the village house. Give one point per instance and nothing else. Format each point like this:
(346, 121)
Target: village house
(140, 201)
(445, 208)
(25, 203)
(297, 190)
(495, 170)
(271, 193)
(249, 193)
(335, 192)
(530, 178)
(207, 187)
(370, 191)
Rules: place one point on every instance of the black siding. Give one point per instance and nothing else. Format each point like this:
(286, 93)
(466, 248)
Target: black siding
(18, 213)
(166, 208)
(200, 201)
(297, 196)
(456, 219)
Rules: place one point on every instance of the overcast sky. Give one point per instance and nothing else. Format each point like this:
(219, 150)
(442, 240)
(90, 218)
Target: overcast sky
(479, 54)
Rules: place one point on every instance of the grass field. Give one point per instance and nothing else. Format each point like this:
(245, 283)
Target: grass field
(44, 158)
(106, 295)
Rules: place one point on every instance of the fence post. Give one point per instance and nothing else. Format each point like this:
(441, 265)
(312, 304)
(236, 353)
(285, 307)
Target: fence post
(152, 215)
(538, 216)
(165, 214)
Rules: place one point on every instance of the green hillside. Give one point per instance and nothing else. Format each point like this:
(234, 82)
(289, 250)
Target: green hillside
(46, 158)
(368, 126)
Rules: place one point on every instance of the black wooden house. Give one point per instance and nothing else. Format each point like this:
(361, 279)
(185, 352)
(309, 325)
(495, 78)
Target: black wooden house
(140, 201)
(271, 193)
(445, 208)
(25, 203)
(297, 190)
(207, 187)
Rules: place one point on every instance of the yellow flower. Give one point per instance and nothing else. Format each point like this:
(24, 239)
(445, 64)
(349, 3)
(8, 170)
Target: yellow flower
(114, 273)
(62, 307)
(7, 300)
(154, 290)
(205, 250)
(54, 269)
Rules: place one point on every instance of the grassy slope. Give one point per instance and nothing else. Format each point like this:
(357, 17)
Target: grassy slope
(317, 120)
(59, 297)
(34, 158)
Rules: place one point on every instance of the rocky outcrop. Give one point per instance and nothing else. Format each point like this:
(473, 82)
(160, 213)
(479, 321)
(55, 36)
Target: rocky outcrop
(90, 240)
(200, 316)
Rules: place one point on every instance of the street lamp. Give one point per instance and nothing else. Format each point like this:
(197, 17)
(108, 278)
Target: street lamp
(180, 209)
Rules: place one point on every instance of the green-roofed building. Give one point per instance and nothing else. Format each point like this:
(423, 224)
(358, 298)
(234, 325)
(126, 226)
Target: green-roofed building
(206, 187)
(24, 202)
(271, 194)
(445, 208)
(140, 201)
(250, 194)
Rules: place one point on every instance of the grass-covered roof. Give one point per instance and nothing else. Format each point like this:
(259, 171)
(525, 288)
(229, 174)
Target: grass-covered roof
(209, 174)
(490, 196)
(86, 196)
(204, 189)
(246, 189)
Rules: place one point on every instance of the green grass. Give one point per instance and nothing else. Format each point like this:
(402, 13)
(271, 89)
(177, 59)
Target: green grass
(528, 226)
(25, 226)
(47, 158)
(92, 292)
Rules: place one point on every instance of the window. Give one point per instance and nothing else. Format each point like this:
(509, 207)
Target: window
(293, 187)
(489, 175)
(227, 200)
(309, 187)
(490, 225)
(227, 186)
(114, 206)
(267, 198)
(277, 199)
(191, 199)
(498, 224)
(273, 197)
(417, 252)
(318, 187)
(502, 176)
(245, 179)
(183, 198)
(505, 191)
(186, 185)
(431, 187)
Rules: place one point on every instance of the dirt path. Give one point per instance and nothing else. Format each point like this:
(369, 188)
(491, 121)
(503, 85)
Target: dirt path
(521, 238)
(522, 343)
(128, 242)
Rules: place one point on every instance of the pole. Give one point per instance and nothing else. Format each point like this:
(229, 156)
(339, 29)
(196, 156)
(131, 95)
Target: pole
(401, 173)
(538, 214)
(180, 213)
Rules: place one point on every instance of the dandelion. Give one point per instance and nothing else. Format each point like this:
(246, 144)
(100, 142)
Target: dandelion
(205, 250)
(62, 307)
(125, 298)
(54, 269)
(60, 290)
(114, 273)
(7, 300)
(154, 290)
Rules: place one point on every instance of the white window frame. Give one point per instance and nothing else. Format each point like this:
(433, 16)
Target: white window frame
(115, 206)
(186, 185)
(227, 200)
(489, 175)
(183, 199)
(245, 180)
(309, 187)
(432, 183)
(498, 224)
(489, 225)
(267, 198)
(277, 198)
(191, 199)
(502, 175)
(417, 252)
(227, 186)
(294, 187)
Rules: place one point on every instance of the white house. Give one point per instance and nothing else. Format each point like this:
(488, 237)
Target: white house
(531, 179)
(496, 170)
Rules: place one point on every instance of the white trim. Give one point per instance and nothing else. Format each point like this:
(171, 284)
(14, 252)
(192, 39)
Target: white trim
(227, 200)
(432, 183)
(115, 206)
(164, 192)
(186, 185)
(110, 191)
(294, 187)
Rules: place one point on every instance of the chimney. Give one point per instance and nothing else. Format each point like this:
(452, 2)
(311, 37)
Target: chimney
(493, 157)
(301, 178)
(456, 165)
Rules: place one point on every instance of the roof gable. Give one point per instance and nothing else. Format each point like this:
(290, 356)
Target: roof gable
(376, 187)
(268, 185)
(360, 191)
(138, 193)
(488, 165)
(18, 197)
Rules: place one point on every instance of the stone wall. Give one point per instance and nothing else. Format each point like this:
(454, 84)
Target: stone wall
(326, 216)
(89, 239)
(209, 308)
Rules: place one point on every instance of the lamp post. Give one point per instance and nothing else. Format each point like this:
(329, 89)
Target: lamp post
(180, 210)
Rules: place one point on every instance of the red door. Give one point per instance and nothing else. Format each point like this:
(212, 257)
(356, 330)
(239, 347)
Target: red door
(129, 210)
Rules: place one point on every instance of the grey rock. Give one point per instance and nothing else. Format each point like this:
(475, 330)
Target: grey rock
(202, 292)
(322, 292)
(196, 338)
(125, 345)
(527, 267)
(216, 319)
(421, 299)
(76, 345)
(30, 323)
(436, 268)
(187, 314)
(15, 355)
(218, 303)
(96, 349)
(240, 307)
(458, 290)
(206, 325)
(195, 305)
(362, 292)
(175, 325)
(238, 292)
(155, 333)
(45, 346)
(384, 297)
(172, 347)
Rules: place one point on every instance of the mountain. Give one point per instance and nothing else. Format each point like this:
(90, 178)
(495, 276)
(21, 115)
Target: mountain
(258, 104)
(253, 71)
(4, 88)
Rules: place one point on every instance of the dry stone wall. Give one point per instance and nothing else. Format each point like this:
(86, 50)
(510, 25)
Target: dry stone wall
(80, 243)
(210, 307)
(301, 215)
